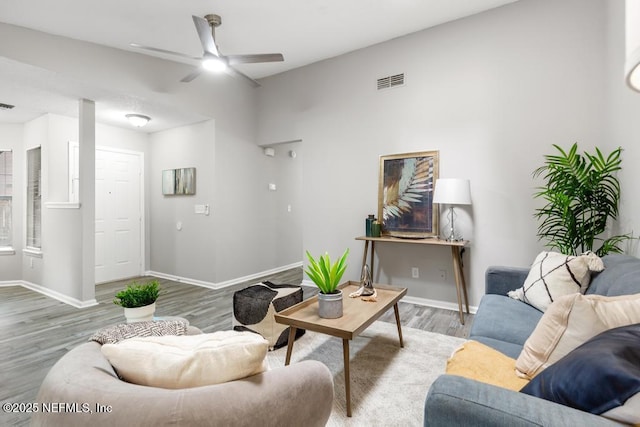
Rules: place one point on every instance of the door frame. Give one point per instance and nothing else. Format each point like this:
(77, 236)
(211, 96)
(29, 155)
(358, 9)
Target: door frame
(140, 156)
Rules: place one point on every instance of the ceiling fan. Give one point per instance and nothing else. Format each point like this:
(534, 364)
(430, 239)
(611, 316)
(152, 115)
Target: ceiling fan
(212, 59)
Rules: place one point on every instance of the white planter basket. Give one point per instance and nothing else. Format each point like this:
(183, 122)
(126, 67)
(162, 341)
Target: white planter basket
(140, 314)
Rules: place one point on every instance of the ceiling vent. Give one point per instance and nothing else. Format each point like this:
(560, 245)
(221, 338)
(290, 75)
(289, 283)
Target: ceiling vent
(391, 81)
(6, 106)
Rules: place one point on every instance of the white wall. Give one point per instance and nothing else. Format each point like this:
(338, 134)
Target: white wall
(289, 176)
(62, 246)
(243, 235)
(59, 268)
(61, 228)
(189, 252)
(283, 214)
(623, 125)
(491, 92)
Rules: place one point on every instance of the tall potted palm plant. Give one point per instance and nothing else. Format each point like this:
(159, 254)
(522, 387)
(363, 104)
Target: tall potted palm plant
(581, 195)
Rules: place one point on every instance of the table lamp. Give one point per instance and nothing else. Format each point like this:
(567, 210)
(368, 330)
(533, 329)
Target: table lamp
(452, 191)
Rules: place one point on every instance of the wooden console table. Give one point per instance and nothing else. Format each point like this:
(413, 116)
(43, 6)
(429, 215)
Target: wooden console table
(456, 254)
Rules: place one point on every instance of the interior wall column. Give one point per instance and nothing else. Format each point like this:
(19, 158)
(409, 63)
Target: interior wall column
(87, 184)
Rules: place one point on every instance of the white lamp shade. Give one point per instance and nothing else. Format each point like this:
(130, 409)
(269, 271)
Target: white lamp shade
(632, 44)
(452, 191)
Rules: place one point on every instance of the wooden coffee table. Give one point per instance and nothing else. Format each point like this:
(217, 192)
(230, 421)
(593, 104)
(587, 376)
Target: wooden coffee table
(357, 316)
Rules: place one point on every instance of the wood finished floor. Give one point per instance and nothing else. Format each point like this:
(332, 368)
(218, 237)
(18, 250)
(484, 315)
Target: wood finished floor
(35, 331)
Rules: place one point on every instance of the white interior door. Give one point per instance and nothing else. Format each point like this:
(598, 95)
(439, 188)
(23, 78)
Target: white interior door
(119, 205)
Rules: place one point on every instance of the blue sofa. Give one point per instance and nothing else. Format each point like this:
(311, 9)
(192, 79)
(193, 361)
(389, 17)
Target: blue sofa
(505, 324)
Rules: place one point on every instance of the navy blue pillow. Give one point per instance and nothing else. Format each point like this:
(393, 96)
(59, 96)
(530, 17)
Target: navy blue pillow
(599, 375)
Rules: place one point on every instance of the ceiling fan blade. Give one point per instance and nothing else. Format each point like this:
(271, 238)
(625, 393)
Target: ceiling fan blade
(235, 73)
(168, 52)
(195, 73)
(206, 37)
(260, 57)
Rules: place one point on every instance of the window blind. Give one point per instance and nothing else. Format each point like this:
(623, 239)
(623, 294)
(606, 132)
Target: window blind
(6, 196)
(34, 200)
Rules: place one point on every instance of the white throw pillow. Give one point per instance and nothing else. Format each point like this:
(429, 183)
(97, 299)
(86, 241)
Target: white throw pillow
(571, 321)
(553, 275)
(186, 361)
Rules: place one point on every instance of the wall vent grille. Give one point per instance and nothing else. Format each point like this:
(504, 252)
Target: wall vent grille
(6, 106)
(391, 81)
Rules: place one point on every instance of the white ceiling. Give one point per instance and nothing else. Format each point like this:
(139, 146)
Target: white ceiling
(304, 31)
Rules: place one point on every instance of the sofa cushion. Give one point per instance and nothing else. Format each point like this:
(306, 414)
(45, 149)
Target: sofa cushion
(570, 321)
(116, 333)
(480, 362)
(553, 275)
(597, 377)
(503, 319)
(177, 362)
(620, 276)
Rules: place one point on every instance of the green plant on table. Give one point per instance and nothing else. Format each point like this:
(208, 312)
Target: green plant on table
(581, 193)
(325, 275)
(138, 295)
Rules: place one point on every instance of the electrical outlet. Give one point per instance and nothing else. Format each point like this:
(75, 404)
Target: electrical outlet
(443, 274)
(415, 272)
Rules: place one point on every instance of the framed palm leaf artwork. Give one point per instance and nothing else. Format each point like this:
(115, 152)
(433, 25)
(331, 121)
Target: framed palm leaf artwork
(405, 194)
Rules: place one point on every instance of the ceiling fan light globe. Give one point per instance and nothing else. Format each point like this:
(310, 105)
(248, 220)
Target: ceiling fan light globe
(214, 64)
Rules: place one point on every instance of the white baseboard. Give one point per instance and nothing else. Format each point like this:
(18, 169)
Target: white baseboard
(83, 304)
(420, 301)
(52, 294)
(180, 279)
(226, 283)
(437, 304)
(10, 283)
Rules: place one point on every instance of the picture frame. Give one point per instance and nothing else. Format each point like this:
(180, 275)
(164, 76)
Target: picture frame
(179, 181)
(405, 194)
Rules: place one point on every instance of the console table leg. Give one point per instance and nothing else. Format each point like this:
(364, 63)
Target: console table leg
(373, 251)
(292, 338)
(397, 313)
(464, 287)
(347, 377)
(455, 253)
(364, 255)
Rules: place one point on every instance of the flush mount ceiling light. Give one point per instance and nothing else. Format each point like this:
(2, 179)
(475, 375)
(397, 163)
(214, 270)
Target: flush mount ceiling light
(138, 120)
(632, 41)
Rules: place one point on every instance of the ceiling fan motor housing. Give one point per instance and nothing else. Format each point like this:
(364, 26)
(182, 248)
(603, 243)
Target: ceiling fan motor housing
(213, 19)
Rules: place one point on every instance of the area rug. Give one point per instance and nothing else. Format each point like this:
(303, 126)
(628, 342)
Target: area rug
(388, 383)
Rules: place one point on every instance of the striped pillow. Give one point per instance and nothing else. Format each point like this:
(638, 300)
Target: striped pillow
(553, 275)
(117, 333)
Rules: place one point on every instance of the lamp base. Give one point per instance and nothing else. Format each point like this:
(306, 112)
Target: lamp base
(452, 235)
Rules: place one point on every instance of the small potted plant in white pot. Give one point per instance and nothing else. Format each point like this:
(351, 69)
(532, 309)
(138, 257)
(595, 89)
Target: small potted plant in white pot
(139, 300)
(327, 277)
